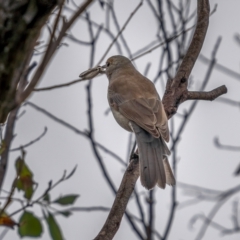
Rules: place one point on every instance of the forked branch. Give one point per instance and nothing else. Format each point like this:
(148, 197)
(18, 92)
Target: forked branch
(176, 89)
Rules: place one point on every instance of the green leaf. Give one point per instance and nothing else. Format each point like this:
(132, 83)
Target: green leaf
(53, 227)
(67, 199)
(25, 180)
(29, 225)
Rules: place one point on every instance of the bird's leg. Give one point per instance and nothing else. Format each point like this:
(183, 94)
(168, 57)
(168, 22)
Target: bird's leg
(134, 154)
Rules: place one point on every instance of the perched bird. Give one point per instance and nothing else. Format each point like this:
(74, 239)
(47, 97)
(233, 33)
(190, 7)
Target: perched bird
(137, 108)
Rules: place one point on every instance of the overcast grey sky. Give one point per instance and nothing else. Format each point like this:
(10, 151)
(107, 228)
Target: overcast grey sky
(200, 162)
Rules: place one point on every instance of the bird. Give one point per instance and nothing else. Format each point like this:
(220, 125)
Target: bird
(137, 107)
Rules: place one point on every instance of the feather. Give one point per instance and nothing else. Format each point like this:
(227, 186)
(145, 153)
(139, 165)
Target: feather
(152, 152)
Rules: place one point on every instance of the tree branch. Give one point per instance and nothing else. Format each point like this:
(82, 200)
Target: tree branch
(31, 142)
(51, 50)
(176, 89)
(210, 96)
(17, 44)
(118, 209)
(6, 144)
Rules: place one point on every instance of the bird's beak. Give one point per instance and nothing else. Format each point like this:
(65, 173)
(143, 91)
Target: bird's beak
(92, 72)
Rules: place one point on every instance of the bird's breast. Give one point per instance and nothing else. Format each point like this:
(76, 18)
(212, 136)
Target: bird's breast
(121, 120)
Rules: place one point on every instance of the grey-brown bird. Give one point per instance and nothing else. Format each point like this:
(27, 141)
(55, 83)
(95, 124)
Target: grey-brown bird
(137, 107)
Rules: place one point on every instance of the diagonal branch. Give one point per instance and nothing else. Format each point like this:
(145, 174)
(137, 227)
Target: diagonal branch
(17, 44)
(196, 43)
(31, 142)
(51, 50)
(118, 209)
(120, 32)
(7, 143)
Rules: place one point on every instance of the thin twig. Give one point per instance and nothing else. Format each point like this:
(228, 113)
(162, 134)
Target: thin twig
(111, 8)
(7, 143)
(74, 129)
(225, 147)
(88, 209)
(51, 50)
(213, 212)
(151, 215)
(229, 101)
(120, 32)
(31, 142)
(220, 67)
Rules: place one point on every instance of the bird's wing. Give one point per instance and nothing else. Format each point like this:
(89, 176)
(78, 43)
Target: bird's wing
(148, 113)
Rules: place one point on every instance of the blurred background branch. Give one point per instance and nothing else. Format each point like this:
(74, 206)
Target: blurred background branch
(80, 33)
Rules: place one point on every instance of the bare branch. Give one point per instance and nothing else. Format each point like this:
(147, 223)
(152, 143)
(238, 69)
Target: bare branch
(88, 209)
(140, 209)
(225, 147)
(17, 44)
(58, 86)
(76, 130)
(173, 200)
(210, 96)
(168, 40)
(7, 143)
(221, 68)
(176, 89)
(120, 32)
(86, 75)
(237, 171)
(151, 203)
(30, 143)
(229, 101)
(196, 44)
(111, 8)
(209, 218)
(220, 197)
(51, 50)
(124, 192)
(178, 85)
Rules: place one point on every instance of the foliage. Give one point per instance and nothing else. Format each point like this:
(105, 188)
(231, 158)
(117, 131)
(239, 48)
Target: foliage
(29, 224)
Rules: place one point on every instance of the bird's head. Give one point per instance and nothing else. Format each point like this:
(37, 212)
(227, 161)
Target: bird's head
(113, 65)
(116, 63)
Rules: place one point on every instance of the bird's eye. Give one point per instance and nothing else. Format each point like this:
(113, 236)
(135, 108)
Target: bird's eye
(107, 64)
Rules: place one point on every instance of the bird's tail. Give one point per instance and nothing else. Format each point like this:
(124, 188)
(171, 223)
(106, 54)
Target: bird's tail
(154, 165)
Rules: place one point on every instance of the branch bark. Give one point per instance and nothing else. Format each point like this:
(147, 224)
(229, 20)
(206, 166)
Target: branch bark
(176, 89)
(210, 96)
(119, 206)
(24, 22)
(18, 39)
(53, 45)
(7, 143)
